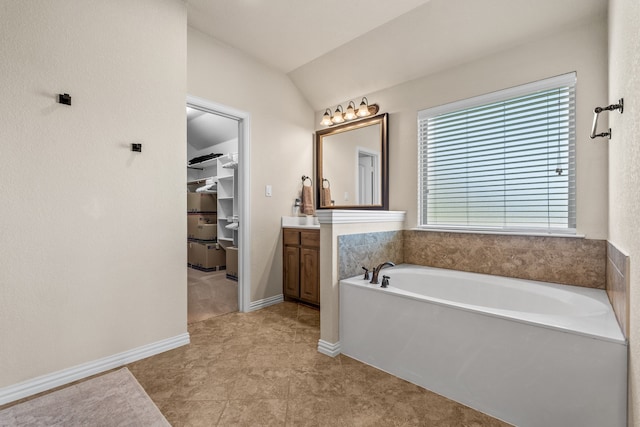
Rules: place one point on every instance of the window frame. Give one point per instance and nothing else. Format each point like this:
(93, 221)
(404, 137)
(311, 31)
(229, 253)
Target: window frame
(561, 81)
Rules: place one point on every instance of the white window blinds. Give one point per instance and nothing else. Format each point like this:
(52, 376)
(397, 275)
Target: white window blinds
(503, 161)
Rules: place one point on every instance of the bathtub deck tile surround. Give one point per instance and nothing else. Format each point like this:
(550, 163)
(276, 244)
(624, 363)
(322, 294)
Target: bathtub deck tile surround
(618, 285)
(564, 260)
(369, 250)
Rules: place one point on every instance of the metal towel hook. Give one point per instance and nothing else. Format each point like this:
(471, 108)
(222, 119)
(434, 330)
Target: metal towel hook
(597, 111)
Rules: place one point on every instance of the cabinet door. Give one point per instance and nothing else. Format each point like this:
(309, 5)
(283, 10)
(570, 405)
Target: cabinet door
(310, 275)
(292, 271)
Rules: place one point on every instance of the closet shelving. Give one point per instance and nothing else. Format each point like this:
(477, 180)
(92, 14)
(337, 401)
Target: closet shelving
(220, 174)
(203, 165)
(227, 204)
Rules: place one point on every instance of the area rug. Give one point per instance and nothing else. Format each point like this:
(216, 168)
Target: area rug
(113, 399)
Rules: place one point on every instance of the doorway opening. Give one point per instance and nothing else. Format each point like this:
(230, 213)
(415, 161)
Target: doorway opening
(367, 178)
(217, 205)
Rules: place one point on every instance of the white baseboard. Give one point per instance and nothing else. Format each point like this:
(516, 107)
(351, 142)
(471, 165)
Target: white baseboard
(65, 376)
(330, 349)
(266, 302)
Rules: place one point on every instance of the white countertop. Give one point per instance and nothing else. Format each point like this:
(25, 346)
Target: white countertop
(300, 222)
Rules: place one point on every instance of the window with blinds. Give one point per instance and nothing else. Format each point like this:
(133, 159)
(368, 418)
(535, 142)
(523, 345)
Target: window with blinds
(501, 162)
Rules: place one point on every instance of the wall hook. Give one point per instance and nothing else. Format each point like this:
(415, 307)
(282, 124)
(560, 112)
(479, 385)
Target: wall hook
(64, 98)
(597, 111)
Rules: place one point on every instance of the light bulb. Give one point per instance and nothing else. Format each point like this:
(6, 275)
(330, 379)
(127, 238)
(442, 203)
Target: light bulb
(338, 115)
(350, 114)
(326, 118)
(363, 110)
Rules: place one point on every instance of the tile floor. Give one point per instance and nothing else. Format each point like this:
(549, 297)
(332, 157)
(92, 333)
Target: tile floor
(210, 294)
(263, 369)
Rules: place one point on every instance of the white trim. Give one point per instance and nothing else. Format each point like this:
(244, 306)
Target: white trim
(244, 201)
(265, 302)
(478, 230)
(341, 216)
(568, 79)
(65, 376)
(330, 349)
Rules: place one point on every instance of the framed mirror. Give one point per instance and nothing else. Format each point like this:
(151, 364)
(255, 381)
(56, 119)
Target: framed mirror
(352, 165)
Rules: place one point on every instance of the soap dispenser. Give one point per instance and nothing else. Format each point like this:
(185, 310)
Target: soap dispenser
(295, 210)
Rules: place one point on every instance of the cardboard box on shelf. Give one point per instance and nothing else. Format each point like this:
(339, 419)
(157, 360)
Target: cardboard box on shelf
(192, 254)
(205, 232)
(201, 202)
(196, 219)
(207, 255)
(232, 261)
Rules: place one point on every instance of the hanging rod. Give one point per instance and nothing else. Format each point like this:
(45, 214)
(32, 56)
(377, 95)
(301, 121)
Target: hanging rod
(596, 113)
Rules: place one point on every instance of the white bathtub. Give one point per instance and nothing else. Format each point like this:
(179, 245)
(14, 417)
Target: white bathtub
(529, 353)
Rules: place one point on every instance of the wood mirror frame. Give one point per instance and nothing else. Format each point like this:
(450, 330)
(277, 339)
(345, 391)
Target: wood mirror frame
(328, 163)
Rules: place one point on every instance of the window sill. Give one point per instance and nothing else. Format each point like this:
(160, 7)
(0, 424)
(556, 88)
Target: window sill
(500, 232)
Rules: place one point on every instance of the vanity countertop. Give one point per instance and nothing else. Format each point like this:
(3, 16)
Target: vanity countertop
(300, 222)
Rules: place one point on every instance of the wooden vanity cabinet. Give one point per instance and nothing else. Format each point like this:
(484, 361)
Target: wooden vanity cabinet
(301, 265)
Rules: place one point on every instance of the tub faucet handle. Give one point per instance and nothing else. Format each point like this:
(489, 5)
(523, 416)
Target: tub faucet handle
(385, 281)
(366, 273)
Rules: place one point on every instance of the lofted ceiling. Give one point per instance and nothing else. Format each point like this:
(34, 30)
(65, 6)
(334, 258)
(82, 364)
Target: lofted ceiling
(335, 50)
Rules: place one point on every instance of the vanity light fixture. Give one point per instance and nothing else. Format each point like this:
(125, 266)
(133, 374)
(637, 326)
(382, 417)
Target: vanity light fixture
(340, 116)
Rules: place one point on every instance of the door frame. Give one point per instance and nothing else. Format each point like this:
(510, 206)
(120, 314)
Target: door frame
(376, 175)
(244, 178)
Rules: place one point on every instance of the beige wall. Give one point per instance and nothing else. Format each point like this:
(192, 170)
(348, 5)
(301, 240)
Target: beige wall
(92, 235)
(281, 143)
(582, 49)
(624, 167)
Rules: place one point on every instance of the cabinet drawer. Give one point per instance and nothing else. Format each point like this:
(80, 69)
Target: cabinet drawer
(310, 238)
(291, 237)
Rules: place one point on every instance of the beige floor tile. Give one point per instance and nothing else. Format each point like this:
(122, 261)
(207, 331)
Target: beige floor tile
(307, 355)
(261, 383)
(210, 294)
(309, 321)
(192, 413)
(320, 380)
(307, 335)
(263, 368)
(312, 411)
(275, 356)
(263, 412)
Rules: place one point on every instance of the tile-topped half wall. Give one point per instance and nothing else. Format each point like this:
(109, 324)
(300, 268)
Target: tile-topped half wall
(368, 250)
(618, 285)
(565, 260)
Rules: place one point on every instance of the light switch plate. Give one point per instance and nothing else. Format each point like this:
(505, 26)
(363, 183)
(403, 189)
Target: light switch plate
(267, 191)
